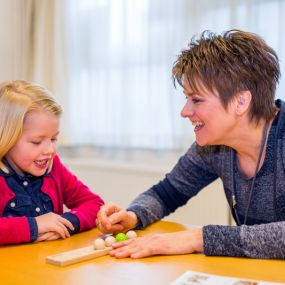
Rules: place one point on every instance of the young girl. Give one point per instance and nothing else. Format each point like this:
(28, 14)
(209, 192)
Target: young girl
(34, 184)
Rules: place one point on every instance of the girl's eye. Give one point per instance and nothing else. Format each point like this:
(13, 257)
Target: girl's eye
(54, 140)
(36, 143)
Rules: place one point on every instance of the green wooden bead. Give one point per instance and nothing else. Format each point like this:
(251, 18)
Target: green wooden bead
(121, 237)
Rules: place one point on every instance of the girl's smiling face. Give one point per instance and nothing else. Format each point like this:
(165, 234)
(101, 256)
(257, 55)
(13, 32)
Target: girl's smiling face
(213, 123)
(36, 147)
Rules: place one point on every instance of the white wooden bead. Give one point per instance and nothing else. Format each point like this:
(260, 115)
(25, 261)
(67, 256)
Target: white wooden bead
(99, 243)
(131, 234)
(109, 240)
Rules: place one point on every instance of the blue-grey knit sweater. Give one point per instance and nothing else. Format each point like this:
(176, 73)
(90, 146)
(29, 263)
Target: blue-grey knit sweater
(264, 234)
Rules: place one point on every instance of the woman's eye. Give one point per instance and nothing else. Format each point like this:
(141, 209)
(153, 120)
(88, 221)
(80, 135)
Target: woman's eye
(36, 143)
(195, 100)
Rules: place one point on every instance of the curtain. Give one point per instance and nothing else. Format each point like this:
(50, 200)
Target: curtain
(33, 46)
(49, 60)
(121, 92)
(109, 61)
(16, 38)
(121, 53)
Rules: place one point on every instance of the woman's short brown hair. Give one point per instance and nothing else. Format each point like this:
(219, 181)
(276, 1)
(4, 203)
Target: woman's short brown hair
(229, 63)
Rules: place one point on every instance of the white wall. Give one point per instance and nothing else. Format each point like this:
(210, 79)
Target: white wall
(121, 182)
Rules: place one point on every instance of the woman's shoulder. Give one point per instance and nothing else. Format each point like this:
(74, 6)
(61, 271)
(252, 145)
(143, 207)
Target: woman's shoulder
(212, 157)
(212, 151)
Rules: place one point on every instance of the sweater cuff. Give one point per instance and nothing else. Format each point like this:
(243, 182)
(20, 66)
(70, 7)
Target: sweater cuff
(33, 228)
(141, 216)
(75, 222)
(222, 241)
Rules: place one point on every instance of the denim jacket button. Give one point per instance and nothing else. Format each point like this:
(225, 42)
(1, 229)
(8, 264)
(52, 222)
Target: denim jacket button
(13, 204)
(38, 209)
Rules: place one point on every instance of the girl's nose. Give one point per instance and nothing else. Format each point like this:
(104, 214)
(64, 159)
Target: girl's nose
(49, 148)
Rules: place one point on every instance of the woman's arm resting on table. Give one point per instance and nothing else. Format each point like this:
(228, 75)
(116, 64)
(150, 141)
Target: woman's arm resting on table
(182, 242)
(257, 241)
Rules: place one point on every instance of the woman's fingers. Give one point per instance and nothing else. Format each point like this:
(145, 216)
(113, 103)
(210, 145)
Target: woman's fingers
(104, 218)
(134, 248)
(160, 244)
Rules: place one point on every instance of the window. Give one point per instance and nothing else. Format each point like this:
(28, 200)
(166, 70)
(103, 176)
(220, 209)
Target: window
(120, 55)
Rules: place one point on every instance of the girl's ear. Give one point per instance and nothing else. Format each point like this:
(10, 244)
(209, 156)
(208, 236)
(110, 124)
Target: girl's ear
(243, 99)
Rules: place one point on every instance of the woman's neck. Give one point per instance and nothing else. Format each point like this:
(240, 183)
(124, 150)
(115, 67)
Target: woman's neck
(248, 147)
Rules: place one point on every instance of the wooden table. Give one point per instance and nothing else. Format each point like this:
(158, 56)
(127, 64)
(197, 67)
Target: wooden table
(25, 264)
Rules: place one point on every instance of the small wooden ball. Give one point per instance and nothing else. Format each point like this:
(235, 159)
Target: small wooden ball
(99, 243)
(121, 237)
(131, 234)
(109, 240)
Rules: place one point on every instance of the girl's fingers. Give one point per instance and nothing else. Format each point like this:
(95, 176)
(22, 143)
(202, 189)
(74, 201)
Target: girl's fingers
(48, 236)
(67, 223)
(61, 230)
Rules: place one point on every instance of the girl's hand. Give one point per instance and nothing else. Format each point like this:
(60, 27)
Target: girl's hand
(160, 244)
(114, 219)
(52, 222)
(48, 236)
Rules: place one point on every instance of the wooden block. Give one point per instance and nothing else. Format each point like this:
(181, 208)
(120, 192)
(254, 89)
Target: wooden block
(76, 255)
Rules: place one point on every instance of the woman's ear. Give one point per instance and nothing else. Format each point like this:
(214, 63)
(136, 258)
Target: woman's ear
(243, 99)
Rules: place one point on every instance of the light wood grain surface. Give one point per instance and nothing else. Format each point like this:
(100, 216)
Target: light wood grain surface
(25, 264)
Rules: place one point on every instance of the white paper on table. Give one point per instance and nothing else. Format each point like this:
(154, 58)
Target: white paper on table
(199, 278)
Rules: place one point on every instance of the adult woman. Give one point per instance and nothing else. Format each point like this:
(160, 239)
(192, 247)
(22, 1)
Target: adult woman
(229, 82)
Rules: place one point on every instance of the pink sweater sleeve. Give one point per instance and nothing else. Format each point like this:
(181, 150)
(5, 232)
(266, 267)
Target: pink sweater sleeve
(14, 230)
(81, 201)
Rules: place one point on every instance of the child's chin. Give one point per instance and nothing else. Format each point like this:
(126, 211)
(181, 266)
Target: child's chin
(39, 172)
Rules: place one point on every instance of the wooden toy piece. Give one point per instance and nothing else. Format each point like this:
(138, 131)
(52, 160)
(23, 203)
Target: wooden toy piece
(120, 237)
(99, 243)
(109, 241)
(76, 255)
(131, 234)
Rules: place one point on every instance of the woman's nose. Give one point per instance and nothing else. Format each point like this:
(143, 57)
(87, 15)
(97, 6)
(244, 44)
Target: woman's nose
(187, 110)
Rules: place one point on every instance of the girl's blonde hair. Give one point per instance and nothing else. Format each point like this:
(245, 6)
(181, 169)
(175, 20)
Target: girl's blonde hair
(17, 99)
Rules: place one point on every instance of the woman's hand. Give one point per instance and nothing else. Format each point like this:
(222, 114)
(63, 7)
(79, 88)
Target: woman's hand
(160, 244)
(114, 219)
(52, 222)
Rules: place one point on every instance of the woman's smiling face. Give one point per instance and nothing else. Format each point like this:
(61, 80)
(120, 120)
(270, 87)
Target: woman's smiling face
(213, 123)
